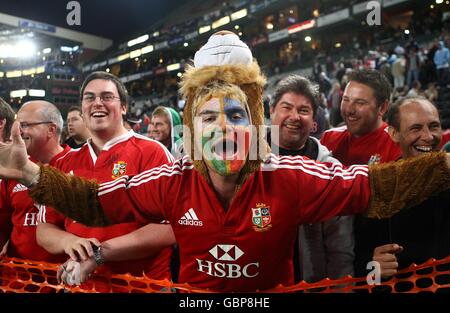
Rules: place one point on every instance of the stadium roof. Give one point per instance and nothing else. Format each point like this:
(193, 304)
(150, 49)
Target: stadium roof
(113, 19)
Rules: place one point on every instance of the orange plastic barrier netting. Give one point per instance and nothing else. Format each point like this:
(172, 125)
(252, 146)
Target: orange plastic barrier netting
(25, 276)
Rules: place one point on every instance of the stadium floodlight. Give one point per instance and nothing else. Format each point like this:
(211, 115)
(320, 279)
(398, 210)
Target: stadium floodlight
(40, 69)
(36, 93)
(13, 74)
(6, 51)
(24, 49)
(123, 57)
(138, 40)
(220, 22)
(204, 29)
(135, 53)
(173, 67)
(66, 49)
(29, 72)
(47, 50)
(239, 14)
(147, 49)
(18, 93)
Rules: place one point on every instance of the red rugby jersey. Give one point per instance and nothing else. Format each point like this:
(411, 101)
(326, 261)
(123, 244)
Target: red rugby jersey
(23, 215)
(375, 147)
(123, 156)
(248, 246)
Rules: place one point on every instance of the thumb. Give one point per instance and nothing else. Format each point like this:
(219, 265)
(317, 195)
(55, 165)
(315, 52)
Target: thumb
(15, 134)
(389, 248)
(95, 241)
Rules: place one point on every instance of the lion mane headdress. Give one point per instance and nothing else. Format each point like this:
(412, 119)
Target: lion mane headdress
(225, 60)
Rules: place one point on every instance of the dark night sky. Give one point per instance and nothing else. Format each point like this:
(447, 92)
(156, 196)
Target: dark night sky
(114, 19)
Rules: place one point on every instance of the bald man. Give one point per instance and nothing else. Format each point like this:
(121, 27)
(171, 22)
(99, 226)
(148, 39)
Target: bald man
(41, 125)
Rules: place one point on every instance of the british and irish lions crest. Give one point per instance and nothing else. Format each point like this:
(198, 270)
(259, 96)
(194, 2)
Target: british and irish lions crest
(261, 217)
(119, 169)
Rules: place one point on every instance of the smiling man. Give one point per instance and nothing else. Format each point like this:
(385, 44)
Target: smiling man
(41, 126)
(323, 250)
(250, 213)
(422, 232)
(78, 132)
(364, 138)
(110, 153)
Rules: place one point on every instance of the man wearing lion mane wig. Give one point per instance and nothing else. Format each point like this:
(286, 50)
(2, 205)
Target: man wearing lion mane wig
(234, 212)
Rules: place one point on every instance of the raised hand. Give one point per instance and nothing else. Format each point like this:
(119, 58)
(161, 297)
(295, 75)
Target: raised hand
(14, 163)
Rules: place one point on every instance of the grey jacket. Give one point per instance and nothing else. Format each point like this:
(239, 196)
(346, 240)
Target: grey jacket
(326, 249)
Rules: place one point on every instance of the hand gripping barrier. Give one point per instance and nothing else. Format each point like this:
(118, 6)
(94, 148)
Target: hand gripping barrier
(24, 276)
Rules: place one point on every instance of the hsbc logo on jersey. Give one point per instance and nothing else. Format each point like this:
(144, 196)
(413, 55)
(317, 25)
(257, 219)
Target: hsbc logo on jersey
(227, 269)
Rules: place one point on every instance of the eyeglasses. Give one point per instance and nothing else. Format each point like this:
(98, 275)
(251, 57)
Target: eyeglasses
(24, 125)
(104, 97)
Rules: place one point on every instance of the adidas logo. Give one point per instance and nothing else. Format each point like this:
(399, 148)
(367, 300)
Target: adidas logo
(19, 187)
(190, 219)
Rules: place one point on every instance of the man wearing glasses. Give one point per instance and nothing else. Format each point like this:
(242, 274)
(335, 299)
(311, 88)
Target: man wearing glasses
(110, 153)
(41, 125)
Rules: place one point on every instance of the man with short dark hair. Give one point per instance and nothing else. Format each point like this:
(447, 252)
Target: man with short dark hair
(323, 250)
(111, 153)
(363, 140)
(78, 132)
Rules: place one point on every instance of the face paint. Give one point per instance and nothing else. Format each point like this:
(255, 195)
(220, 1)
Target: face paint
(225, 134)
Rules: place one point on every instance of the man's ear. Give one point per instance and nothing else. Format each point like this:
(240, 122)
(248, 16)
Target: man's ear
(394, 134)
(271, 110)
(51, 132)
(384, 108)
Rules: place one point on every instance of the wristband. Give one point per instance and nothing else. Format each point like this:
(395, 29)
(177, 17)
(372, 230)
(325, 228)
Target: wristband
(97, 254)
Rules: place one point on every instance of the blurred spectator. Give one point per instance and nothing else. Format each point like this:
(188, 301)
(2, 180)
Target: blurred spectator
(167, 124)
(334, 104)
(398, 71)
(131, 122)
(7, 116)
(431, 93)
(76, 128)
(151, 131)
(412, 66)
(441, 59)
(415, 90)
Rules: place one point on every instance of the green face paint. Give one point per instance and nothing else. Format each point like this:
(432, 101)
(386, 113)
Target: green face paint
(225, 135)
